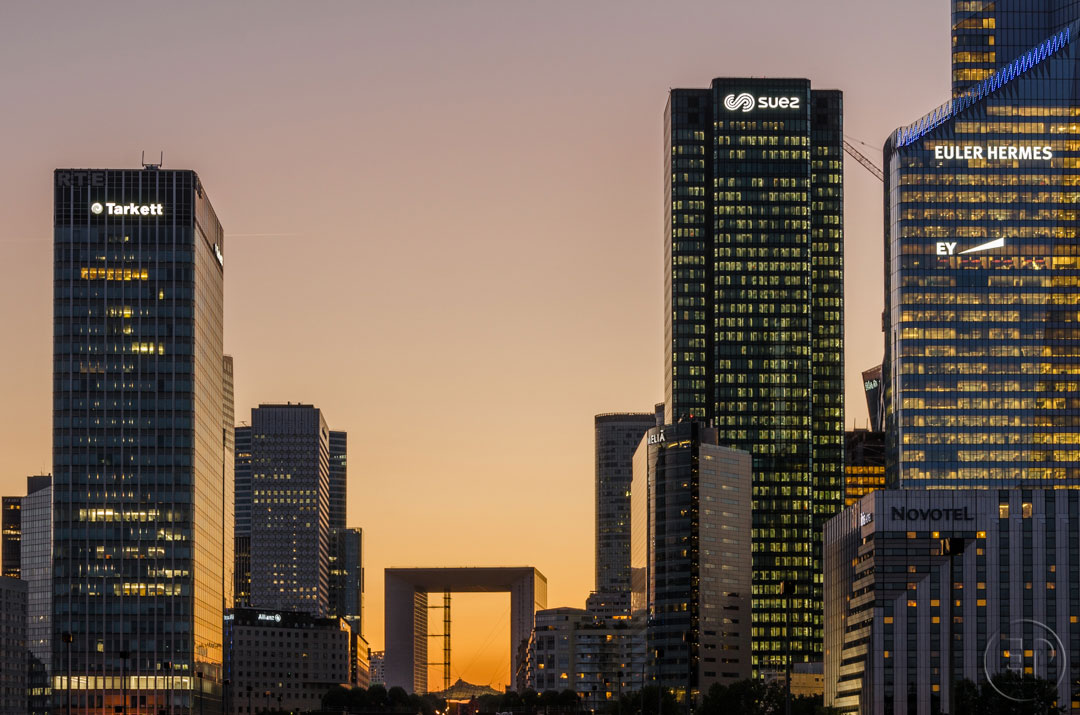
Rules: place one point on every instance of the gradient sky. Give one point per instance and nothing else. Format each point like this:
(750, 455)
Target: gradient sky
(444, 227)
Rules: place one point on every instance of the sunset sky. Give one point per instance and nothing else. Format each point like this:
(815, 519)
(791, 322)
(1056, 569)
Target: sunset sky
(444, 227)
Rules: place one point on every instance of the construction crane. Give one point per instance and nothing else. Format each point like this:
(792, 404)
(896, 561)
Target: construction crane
(862, 159)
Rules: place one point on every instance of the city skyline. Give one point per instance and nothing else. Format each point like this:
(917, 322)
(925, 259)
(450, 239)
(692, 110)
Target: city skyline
(307, 239)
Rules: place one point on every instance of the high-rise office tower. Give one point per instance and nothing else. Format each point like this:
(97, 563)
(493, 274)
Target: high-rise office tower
(339, 472)
(141, 495)
(691, 557)
(242, 526)
(982, 276)
(36, 570)
(290, 509)
(754, 319)
(617, 437)
(347, 578)
(11, 524)
(875, 399)
(988, 35)
(344, 577)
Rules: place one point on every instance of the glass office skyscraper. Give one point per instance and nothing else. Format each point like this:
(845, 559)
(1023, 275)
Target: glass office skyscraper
(141, 440)
(690, 557)
(617, 436)
(754, 319)
(982, 284)
(290, 509)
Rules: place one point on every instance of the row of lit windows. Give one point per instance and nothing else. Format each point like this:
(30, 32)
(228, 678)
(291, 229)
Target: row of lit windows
(1000, 197)
(766, 154)
(996, 178)
(971, 74)
(1011, 367)
(115, 274)
(991, 438)
(993, 334)
(964, 129)
(968, 56)
(945, 232)
(986, 214)
(1000, 455)
(983, 420)
(944, 384)
(982, 475)
(765, 140)
(979, 350)
(759, 210)
(987, 403)
(960, 298)
(762, 196)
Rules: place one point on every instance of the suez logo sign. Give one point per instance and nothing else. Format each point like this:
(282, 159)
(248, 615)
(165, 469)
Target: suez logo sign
(113, 209)
(746, 102)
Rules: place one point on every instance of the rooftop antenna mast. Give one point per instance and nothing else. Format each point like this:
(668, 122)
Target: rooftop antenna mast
(161, 160)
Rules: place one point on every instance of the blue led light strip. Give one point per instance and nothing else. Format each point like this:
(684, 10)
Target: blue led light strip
(912, 132)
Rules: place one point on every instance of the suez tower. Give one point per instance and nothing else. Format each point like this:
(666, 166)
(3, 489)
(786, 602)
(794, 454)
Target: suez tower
(142, 444)
(982, 263)
(754, 322)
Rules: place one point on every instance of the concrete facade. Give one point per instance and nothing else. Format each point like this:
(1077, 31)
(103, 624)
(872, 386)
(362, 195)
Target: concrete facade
(927, 587)
(406, 605)
(288, 659)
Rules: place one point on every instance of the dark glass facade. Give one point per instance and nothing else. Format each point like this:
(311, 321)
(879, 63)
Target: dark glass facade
(988, 34)
(339, 473)
(925, 588)
(691, 556)
(754, 320)
(290, 509)
(982, 364)
(242, 525)
(616, 436)
(142, 501)
(11, 524)
(875, 398)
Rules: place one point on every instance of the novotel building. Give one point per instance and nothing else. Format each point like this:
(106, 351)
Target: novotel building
(982, 261)
(927, 588)
(754, 320)
(142, 444)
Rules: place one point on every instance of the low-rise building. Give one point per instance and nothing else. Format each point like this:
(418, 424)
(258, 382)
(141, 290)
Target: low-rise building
(288, 660)
(599, 657)
(924, 588)
(378, 674)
